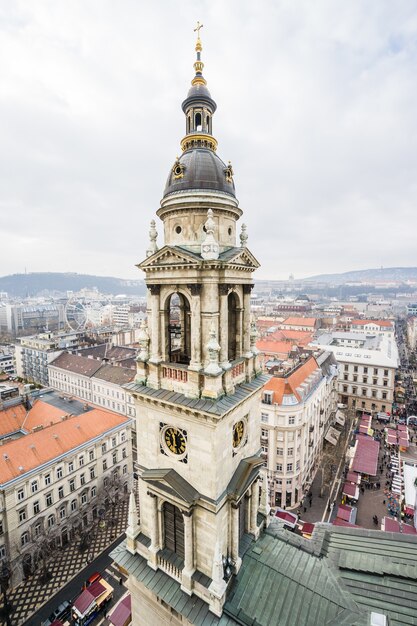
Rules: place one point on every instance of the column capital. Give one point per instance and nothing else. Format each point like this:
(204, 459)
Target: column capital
(224, 289)
(248, 288)
(195, 288)
(154, 289)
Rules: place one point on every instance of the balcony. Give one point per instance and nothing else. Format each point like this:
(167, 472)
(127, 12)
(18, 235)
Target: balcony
(238, 372)
(170, 563)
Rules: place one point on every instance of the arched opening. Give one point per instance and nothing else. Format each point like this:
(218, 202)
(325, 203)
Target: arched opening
(178, 325)
(198, 123)
(173, 529)
(188, 124)
(208, 124)
(232, 331)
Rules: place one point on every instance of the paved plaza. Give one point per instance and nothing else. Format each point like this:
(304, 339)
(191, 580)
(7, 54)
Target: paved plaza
(30, 595)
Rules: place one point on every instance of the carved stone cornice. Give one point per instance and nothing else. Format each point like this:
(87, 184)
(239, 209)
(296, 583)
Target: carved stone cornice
(224, 289)
(248, 288)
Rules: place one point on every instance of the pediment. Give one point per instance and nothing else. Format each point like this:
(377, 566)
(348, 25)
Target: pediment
(170, 256)
(171, 483)
(242, 257)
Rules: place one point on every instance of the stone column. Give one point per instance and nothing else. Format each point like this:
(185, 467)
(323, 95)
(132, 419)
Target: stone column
(154, 547)
(224, 327)
(235, 536)
(155, 325)
(195, 363)
(187, 572)
(246, 321)
(254, 504)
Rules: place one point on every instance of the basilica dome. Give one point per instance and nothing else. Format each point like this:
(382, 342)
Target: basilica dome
(200, 168)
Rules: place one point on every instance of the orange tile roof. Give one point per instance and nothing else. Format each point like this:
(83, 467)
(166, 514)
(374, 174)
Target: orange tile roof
(300, 321)
(386, 323)
(35, 449)
(287, 386)
(282, 348)
(11, 419)
(42, 414)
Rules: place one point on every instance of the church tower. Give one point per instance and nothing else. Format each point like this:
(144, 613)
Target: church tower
(197, 387)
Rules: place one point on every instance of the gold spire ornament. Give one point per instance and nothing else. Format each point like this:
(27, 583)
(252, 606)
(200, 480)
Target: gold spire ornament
(198, 65)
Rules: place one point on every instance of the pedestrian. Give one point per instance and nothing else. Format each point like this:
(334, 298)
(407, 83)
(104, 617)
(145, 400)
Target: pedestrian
(305, 509)
(121, 581)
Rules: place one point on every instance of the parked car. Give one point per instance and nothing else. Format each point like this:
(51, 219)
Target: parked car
(62, 611)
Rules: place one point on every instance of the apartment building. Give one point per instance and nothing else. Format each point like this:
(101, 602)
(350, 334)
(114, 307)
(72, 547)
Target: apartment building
(372, 326)
(35, 353)
(367, 366)
(296, 411)
(54, 476)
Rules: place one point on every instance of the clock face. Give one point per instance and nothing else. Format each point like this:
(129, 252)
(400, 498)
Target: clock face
(238, 433)
(175, 440)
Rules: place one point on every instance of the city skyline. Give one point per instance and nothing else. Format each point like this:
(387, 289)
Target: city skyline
(315, 111)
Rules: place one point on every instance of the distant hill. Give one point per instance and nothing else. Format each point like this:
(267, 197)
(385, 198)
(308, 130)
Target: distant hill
(33, 284)
(385, 274)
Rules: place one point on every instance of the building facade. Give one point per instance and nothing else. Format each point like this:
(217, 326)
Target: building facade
(296, 412)
(367, 367)
(53, 480)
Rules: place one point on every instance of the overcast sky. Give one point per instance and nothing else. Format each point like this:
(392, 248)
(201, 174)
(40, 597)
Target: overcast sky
(317, 111)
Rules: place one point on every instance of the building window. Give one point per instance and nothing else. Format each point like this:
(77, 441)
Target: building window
(291, 420)
(34, 486)
(22, 515)
(384, 395)
(279, 467)
(73, 505)
(91, 455)
(264, 418)
(355, 368)
(84, 498)
(373, 394)
(47, 479)
(124, 469)
(81, 460)
(385, 372)
(280, 451)
(365, 379)
(364, 391)
(123, 436)
(290, 451)
(355, 378)
(289, 482)
(51, 521)
(103, 448)
(375, 371)
(93, 491)
(2, 552)
(61, 493)
(82, 479)
(113, 442)
(62, 512)
(114, 457)
(354, 389)
(48, 499)
(20, 494)
(124, 454)
(345, 388)
(92, 472)
(345, 377)
(374, 381)
(267, 397)
(106, 482)
(37, 529)
(36, 507)
(346, 368)
(289, 467)
(72, 484)
(24, 539)
(365, 370)
(264, 433)
(385, 383)
(59, 472)
(71, 466)
(104, 464)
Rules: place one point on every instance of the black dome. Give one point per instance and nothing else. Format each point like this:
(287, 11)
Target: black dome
(203, 169)
(198, 93)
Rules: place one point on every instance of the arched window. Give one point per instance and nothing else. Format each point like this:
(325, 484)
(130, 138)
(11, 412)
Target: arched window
(178, 329)
(208, 123)
(198, 121)
(173, 529)
(232, 352)
(51, 521)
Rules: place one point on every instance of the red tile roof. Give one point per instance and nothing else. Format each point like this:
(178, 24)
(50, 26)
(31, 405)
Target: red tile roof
(300, 321)
(287, 386)
(42, 446)
(11, 419)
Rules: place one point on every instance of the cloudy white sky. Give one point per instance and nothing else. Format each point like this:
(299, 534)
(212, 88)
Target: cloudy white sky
(317, 110)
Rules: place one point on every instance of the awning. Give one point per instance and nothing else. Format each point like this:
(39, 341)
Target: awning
(352, 477)
(288, 518)
(407, 529)
(340, 418)
(409, 510)
(390, 525)
(307, 528)
(341, 522)
(365, 460)
(332, 435)
(347, 513)
(352, 491)
(122, 614)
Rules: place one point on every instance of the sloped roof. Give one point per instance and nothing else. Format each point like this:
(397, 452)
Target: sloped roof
(11, 419)
(43, 414)
(42, 446)
(77, 364)
(383, 323)
(115, 374)
(289, 385)
(169, 480)
(300, 321)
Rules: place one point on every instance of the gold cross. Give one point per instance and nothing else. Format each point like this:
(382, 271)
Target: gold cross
(197, 29)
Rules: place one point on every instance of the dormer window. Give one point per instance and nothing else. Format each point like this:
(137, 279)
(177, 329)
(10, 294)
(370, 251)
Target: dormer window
(267, 399)
(178, 169)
